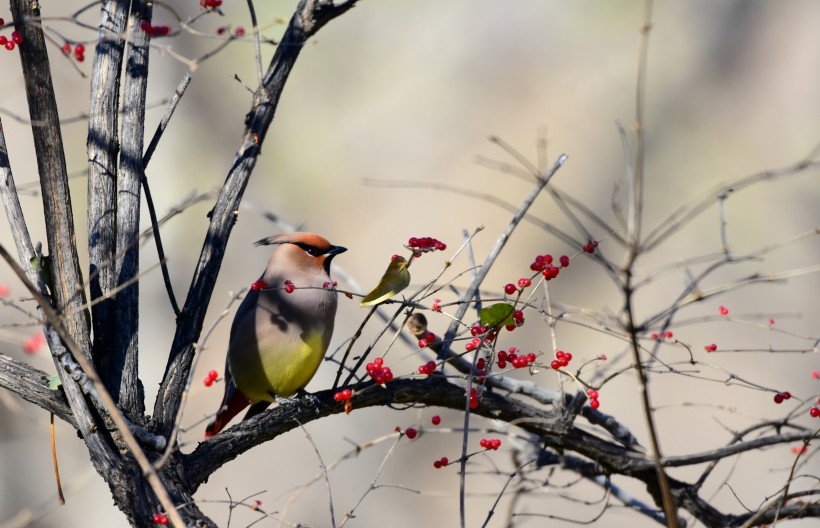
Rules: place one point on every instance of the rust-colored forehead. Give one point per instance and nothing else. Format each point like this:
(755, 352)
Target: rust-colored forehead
(309, 239)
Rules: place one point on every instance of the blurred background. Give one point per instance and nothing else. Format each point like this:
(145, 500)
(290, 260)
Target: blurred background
(412, 90)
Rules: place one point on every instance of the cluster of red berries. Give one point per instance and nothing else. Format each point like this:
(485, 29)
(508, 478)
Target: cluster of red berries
(435, 420)
(472, 344)
(343, 395)
(490, 443)
(410, 433)
(211, 377)
(562, 359)
(780, 397)
(428, 339)
(210, 3)
(380, 374)
(480, 329)
(160, 518)
(259, 285)
(424, 244)
(799, 450)
(34, 343)
(289, 287)
(473, 398)
(440, 463)
(15, 40)
(79, 51)
(592, 394)
(154, 31)
(666, 335)
(436, 306)
(517, 361)
(723, 310)
(428, 368)
(590, 246)
(329, 284)
(543, 264)
(710, 348)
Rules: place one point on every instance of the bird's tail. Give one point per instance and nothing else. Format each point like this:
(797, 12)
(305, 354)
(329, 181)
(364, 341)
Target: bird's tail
(232, 404)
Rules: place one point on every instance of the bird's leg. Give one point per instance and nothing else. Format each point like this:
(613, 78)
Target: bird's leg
(303, 399)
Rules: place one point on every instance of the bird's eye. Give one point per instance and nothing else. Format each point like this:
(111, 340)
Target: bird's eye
(313, 251)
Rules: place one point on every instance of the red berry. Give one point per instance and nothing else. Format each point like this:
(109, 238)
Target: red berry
(435, 420)
(667, 334)
(778, 398)
(710, 348)
(509, 289)
(594, 404)
(814, 412)
(564, 260)
(289, 286)
(213, 374)
(160, 518)
(593, 394)
(259, 285)
(524, 282)
(502, 364)
(787, 395)
(239, 32)
(531, 358)
(437, 464)
(66, 49)
(816, 374)
(723, 310)
(473, 402)
(555, 364)
(16, 37)
(79, 48)
(9, 45)
(411, 433)
(444, 461)
(208, 381)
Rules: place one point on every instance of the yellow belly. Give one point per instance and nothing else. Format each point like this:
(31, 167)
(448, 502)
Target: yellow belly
(276, 369)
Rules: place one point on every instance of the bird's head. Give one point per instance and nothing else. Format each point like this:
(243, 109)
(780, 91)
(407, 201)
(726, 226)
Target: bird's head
(302, 252)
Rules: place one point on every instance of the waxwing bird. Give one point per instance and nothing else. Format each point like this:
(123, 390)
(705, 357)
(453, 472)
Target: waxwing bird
(282, 329)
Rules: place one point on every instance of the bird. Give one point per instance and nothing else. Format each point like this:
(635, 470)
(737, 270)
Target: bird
(395, 279)
(282, 328)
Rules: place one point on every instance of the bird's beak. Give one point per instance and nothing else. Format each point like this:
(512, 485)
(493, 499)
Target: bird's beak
(335, 250)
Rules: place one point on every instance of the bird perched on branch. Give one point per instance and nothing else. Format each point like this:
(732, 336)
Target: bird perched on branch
(282, 329)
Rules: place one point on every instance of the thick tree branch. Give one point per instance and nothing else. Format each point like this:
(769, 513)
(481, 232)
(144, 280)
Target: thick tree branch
(32, 385)
(125, 375)
(67, 290)
(103, 151)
